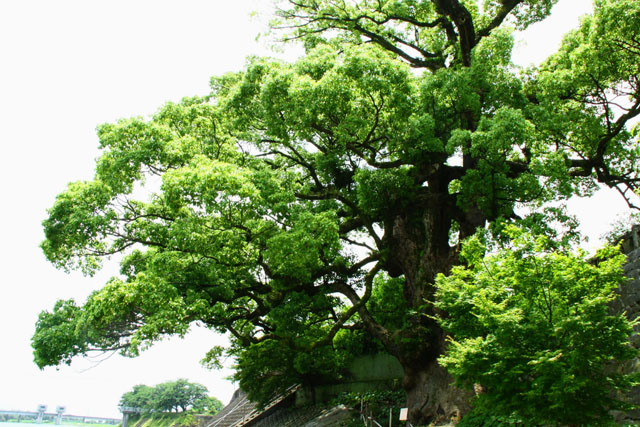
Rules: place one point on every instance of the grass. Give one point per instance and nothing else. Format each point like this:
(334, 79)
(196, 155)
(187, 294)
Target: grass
(163, 420)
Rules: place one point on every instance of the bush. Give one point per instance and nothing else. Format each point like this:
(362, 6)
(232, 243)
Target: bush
(481, 418)
(531, 324)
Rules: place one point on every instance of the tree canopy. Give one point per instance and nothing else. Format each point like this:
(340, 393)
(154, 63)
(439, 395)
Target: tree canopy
(171, 396)
(287, 198)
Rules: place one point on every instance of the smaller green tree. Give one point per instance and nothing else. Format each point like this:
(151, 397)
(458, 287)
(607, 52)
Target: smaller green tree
(178, 396)
(208, 405)
(532, 325)
(140, 397)
(171, 396)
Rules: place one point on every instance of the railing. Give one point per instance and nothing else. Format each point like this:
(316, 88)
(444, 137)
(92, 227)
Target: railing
(49, 415)
(130, 410)
(368, 420)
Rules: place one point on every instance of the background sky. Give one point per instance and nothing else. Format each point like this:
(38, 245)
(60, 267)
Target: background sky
(67, 66)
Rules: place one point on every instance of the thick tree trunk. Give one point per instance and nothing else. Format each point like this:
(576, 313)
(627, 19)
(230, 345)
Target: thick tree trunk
(432, 396)
(420, 250)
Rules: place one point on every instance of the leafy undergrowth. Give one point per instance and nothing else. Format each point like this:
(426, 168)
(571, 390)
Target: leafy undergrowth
(480, 418)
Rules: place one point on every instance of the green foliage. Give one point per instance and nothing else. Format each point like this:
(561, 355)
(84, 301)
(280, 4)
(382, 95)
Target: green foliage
(389, 24)
(171, 396)
(68, 330)
(532, 325)
(207, 405)
(175, 396)
(307, 208)
(56, 340)
(140, 397)
(479, 418)
(269, 367)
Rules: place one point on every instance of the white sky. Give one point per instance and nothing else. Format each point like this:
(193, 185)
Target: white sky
(67, 66)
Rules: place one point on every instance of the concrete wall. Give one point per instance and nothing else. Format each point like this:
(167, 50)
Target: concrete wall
(371, 372)
(376, 367)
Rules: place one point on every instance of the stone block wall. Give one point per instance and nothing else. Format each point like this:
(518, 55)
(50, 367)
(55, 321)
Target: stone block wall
(629, 300)
(629, 303)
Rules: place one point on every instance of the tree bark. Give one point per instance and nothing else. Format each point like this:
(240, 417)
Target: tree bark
(420, 250)
(432, 396)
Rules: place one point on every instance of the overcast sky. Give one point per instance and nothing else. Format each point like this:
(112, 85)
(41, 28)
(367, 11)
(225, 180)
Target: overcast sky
(67, 66)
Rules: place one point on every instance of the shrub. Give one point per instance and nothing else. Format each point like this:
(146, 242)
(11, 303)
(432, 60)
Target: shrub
(531, 324)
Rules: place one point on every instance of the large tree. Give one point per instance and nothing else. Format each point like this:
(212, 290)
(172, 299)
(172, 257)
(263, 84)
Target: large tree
(284, 199)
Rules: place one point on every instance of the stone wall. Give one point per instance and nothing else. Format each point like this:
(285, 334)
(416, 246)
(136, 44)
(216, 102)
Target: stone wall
(629, 303)
(629, 300)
